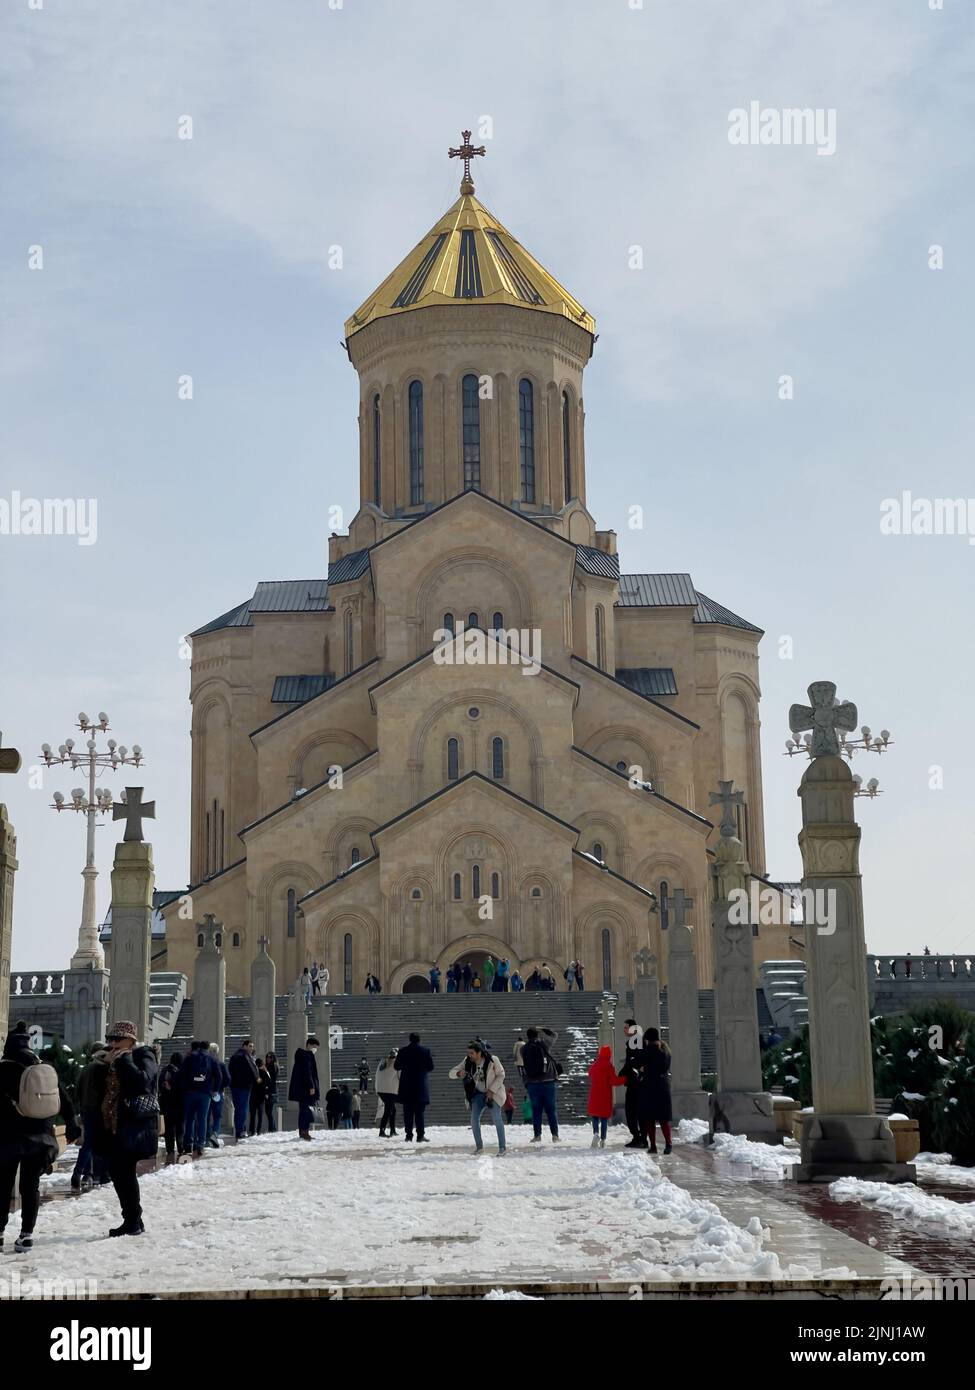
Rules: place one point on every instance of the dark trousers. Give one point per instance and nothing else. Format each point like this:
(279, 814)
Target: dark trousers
(31, 1169)
(633, 1111)
(88, 1163)
(121, 1169)
(269, 1104)
(256, 1122)
(388, 1115)
(197, 1114)
(173, 1130)
(413, 1116)
(304, 1117)
(542, 1096)
(242, 1096)
(332, 1118)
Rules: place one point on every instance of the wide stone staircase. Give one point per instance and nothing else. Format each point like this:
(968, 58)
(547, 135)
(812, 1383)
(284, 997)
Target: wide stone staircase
(370, 1025)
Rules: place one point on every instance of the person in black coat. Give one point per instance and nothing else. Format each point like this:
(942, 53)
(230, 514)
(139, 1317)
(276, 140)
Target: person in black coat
(29, 1145)
(414, 1064)
(243, 1074)
(655, 1106)
(171, 1104)
(129, 1113)
(271, 1098)
(303, 1086)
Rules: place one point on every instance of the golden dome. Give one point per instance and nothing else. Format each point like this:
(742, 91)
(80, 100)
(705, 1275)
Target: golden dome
(469, 258)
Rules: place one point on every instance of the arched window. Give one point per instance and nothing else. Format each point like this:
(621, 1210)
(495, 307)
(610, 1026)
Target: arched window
(497, 622)
(218, 940)
(377, 458)
(526, 438)
(600, 637)
(495, 885)
(416, 895)
(416, 442)
(566, 448)
(206, 857)
(607, 952)
(354, 855)
(476, 881)
(597, 850)
(536, 892)
(448, 622)
(292, 910)
(621, 765)
(457, 887)
(453, 760)
(236, 938)
(199, 941)
(473, 620)
(347, 963)
(497, 757)
(662, 902)
(471, 416)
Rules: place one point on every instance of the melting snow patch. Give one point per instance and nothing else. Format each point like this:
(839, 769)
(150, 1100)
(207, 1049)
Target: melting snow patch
(937, 1216)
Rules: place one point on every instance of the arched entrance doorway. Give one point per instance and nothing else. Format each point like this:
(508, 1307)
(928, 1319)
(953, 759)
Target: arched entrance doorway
(416, 984)
(475, 959)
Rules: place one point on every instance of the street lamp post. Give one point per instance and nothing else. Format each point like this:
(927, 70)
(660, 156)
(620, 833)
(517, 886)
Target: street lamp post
(98, 800)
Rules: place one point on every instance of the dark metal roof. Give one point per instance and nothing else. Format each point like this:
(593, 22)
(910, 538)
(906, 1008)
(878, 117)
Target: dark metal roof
(656, 591)
(289, 690)
(234, 617)
(290, 596)
(707, 611)
(597, 561)
(648, 680)
(351, 566)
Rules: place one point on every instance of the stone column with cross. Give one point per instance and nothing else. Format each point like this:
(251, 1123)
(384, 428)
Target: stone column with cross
(296, 1030)
(133, 880)
(689, 1100)
(646, 989)
(210, 985)
(263, 984)
(739, 1105)
(605, 1018)
(844, 1137)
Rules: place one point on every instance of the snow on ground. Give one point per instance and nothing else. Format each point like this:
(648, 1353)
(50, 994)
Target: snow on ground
(935, 1168)
(352, 1208)
(935, 1216)
(770, 1158)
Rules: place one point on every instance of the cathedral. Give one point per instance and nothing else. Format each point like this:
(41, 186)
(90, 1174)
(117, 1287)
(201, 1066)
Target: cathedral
(475, 735)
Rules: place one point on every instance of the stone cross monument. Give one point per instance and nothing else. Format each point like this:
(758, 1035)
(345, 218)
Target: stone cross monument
(297, 1033)
(844, 1137)
(646, 989)
(210, 984)
(740, 1105)
(133, 880)
(605, 1017)
(263, 982)
(690, 1101)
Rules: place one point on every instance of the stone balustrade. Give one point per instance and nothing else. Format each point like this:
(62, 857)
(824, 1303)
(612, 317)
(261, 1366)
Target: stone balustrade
(945, 966)
(27, 982)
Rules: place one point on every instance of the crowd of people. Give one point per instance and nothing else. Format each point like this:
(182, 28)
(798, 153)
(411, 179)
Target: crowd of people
(122, 1095)
(497, 977)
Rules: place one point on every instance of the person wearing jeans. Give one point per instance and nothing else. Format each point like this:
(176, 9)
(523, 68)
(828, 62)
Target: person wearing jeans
(243, 1074)
(199, 1077)
(541, 1074)
(483, 1077)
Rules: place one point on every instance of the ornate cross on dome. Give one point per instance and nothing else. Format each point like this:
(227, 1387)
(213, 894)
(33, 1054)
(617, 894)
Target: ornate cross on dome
(823, 715)
(466, 152)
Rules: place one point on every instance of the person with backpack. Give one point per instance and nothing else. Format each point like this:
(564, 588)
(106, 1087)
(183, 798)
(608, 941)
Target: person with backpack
(655, 1103)
(216, 1103)
(387, 1088)
(483, 1078)
(303, 1086)
(243, 1075)
(542, 1071)
(129, 1129)
(30, 1100)
(602, 1079)
(333, 1107)
(89, 1168)
(171, 1104)
(199, 1078)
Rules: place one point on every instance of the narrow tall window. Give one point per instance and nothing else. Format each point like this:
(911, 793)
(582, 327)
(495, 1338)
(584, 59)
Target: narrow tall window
(453, 759)
(448, 622)
(206, 857)
(354, 856)
(377, 459)
(566, 448)
(600, 637)
(473, 620)
(221, 838)
(292, 911)
(497, 757)
(607, 953)
(349, 653)
(597, 850)
(471, 427)
(476, 880)
(457, 887)
(347, 962)
(495, 885)
(662, 903)
(216, 838)
(497, 622)
(416, 442)
(526, 438)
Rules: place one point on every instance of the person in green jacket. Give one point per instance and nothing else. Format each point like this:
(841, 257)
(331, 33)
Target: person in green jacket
(526, 1111)
(489, 969)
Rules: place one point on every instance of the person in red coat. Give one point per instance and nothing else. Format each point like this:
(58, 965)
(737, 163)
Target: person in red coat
(602, 1079)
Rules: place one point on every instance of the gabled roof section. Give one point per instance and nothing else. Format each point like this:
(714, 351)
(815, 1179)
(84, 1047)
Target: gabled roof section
(674, 714)
(602, 868)
(648, 680)
(657, 591)
(469, 257)
(595, 561)
(352, 566)
(707, 611)
(273, 596)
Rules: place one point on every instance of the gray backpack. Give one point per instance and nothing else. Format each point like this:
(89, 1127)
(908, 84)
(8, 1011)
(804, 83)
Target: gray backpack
(39, 1097)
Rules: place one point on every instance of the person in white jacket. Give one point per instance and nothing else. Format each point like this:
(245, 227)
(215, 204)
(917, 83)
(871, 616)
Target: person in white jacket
(485, 1076)
(387, 1089)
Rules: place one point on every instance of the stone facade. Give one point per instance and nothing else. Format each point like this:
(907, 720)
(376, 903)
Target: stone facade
(361, 803)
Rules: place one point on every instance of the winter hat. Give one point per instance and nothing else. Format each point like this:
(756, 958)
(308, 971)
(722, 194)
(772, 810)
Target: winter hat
(123, 1029)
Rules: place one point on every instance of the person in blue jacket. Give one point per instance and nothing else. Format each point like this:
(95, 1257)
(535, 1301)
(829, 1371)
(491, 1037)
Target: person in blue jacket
(199, 1078)
(216, 1104)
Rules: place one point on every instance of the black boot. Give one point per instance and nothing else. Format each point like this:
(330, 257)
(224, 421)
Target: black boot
(129, 1228)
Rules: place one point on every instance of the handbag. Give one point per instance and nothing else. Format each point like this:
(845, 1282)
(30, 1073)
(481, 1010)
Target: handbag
(142, 1107)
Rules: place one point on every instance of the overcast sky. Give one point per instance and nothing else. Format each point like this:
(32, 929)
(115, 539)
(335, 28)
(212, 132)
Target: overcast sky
(316, 127)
